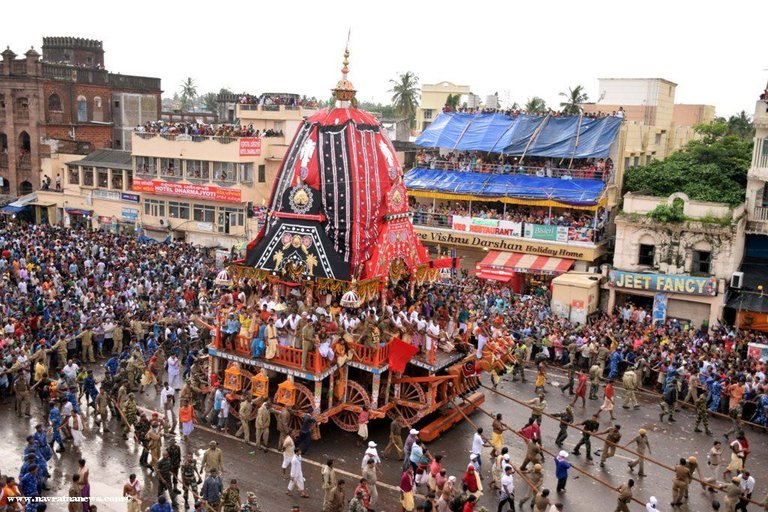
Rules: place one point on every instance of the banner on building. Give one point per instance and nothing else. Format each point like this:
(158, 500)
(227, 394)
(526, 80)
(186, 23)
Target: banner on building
(166, 188)
(250, 146)
(546, 232)
(660, 308)
(487, 226)
(130, 214)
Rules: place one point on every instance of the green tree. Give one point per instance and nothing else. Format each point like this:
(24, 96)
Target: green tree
(210, 101)
(188, 93)
(573, 98)
(405, 95)
(452, 101)
(712, 168)
(535, 105)
(384, 111)
(741, 125)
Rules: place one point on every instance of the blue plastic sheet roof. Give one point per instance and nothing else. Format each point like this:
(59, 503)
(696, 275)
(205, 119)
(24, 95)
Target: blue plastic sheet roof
(554, 137)
(576, 192)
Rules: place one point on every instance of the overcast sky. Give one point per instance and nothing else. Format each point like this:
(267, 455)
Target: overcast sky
(715, 51)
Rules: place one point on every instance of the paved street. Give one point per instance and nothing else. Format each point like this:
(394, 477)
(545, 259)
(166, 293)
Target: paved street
(111, 459)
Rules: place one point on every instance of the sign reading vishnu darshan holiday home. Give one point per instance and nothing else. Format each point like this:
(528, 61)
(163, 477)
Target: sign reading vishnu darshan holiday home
(250, 146)
(487, 226)
(689, 285)
(167, 188)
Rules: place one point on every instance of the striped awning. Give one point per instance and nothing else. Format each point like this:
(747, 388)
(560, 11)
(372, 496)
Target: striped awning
(501, 262)
(502, 277)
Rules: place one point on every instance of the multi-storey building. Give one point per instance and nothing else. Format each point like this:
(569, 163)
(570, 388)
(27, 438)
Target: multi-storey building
(655, 126)
(433, 98)
(67, 96)
(208, 190)
(677, 269)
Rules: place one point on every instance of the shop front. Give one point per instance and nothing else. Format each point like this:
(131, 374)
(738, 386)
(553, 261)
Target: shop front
(78, 218)
(523, 273)
(693, 300)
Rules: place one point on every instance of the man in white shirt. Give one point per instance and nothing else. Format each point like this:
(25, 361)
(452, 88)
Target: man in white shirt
(433, 334)
(507, 491)
(477, 445)
(70, 371)
(747, 485)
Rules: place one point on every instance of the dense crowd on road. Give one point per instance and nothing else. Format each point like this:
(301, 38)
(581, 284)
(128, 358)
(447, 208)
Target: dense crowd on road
(91, 319)
(206, 130)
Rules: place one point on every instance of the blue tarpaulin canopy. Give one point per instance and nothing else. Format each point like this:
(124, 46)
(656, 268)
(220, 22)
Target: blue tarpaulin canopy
(11, 209)
(502, 187)
(545, 136)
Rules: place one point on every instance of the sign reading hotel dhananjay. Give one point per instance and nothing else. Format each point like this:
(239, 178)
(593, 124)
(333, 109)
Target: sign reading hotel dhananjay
(689, 285)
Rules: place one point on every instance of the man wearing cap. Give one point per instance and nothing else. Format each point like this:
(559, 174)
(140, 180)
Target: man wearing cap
(732, 494)
(230, 498)
(251, 505)
(630, 385)
(212, 459)
(190, 478)
(308, 340)
(612, 439)
(272, 339)
(642, 444)
(370, 453)
(536, 479)
(413, 434)
(244, 411)
(507, 491)
(680, 483)
(566, 419)
(357, 503)
(174, 454)
(263, 419)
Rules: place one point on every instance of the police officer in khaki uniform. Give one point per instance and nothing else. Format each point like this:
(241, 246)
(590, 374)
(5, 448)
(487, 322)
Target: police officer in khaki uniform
(308, 338)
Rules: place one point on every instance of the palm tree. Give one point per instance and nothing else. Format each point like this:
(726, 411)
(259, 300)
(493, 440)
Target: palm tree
(188, 93)
(741, 126)
(573, 98)
(535, 105)
(405, 97)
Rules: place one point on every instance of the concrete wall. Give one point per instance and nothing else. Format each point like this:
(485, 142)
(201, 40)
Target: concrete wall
(691, 115)
(433, 98)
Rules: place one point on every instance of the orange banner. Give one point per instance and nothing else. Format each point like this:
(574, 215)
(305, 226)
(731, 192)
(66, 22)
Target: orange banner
(166, 188)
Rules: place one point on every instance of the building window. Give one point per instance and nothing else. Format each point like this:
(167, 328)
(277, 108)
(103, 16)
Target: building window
(626, 162)
(145, 165)
(702, 263)
(117, 179)
(637, 162)
(54, 103)
(178, 210)
(224, 171)
(128, 180)
(198, 170)
(425, 125)
(88, 177)
(645, 257)
(170, 167)
(203, 213)
(103, 178)
(74, 176)
(246, 173)
(97, 102)
(154, 208)
(658, 139)
(428, 113)
(262, 173)
(229, 217)
(82, 109)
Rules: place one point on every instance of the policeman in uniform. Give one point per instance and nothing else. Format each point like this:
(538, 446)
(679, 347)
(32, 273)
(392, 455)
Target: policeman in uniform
(129, 411)
(701, 414)
(308, 338)
(245, 410)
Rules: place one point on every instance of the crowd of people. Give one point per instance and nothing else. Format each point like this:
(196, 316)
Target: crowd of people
(476, 161)
(518, 111)
(73, 300)
(290, 100)
(442, 213)
(206, 130)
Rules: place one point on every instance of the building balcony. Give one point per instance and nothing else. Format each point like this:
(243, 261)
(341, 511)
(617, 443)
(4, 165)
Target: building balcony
(759, 168)
(526, 170)
(760, 120)
(757, 223)
(517, 231)
(21, 115)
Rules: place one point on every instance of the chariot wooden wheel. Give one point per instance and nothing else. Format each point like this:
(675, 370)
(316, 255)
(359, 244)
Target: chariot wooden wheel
(305, 402)
(411, 406)
(355, 395)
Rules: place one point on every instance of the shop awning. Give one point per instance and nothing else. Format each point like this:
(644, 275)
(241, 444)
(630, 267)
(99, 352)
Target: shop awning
(78, 211)
(10, 209)
(500, 261)
(494, 275)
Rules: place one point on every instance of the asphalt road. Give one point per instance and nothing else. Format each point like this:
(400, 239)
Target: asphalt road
(111, 459)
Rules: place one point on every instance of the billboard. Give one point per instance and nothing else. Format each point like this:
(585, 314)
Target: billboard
(192, 191)
(689, 285)
(250, 146)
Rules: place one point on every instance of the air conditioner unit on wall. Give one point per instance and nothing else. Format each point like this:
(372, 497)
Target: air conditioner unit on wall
(737, 279)
(165, 223)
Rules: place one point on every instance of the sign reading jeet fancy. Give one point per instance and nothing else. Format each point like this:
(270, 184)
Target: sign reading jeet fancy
(250, 146)
(689, 285)
(166, 188)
